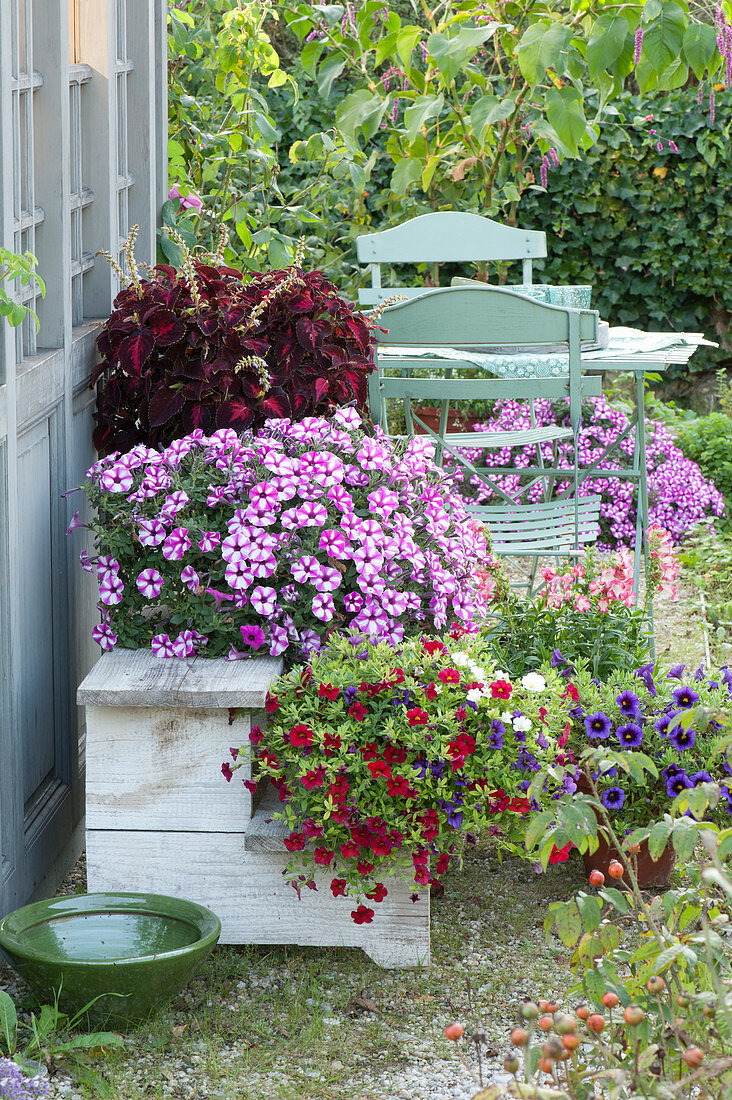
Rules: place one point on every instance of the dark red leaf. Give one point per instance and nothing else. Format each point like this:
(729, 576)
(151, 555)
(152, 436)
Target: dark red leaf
(164, 404)
(135, 351)
(166, 327)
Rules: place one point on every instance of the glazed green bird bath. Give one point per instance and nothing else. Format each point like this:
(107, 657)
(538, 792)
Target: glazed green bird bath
(131, 951)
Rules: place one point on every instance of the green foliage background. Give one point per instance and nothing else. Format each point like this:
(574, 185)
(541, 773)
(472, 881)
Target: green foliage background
(651, 230)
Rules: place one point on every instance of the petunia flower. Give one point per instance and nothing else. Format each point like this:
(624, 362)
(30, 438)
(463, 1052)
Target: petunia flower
(150, 583)
(629, 734)
(111, 589)
(598, 725)
(104, 636)
(252, 636)
(685, 697)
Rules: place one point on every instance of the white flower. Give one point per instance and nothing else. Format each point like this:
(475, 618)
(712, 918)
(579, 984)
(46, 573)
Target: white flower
(475, 695)
(500, 675)
(507, 716)
(477, 673)
(460, 658)
(522, 724)
(533, 681)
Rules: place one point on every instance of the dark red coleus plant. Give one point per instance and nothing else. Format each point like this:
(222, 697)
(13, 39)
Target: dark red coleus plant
(224, 353)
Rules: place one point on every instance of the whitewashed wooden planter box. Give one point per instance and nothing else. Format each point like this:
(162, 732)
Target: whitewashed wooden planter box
(162, 818)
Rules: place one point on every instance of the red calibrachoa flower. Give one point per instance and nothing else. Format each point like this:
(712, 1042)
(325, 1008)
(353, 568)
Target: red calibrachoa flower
(370, 750)
(449, 676)
(349, 850)
(362, 915)
(417, 717)
(433, 646)
(364, 868)
(295, 842)
(400, 786)
(358, 711)
(431, 692)
(379, 768)
(442, 863)
(327, 691)
(226, 771)
(314, 778)
(271, 703)
(501, 689)
(255, 735)
(338, 887)
(324, 856)
(378, 893)
(561, 855)
(301, 736)
(331, 743)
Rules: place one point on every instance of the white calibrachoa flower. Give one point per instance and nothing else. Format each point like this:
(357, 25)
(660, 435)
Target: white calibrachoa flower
(522, 724)
(533, 681)
(477, 695)
(460, 658)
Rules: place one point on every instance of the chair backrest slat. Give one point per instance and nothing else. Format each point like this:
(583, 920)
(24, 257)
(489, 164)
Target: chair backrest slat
(445, 237)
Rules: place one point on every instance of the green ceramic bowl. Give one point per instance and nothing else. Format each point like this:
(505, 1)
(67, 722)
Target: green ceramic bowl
(131, 951)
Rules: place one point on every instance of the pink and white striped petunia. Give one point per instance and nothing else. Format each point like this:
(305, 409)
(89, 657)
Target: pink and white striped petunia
(176, 544)
(110, 589)
(264, 600)
(117, 479)
(104, 636)
(162, 646)
(190, 578)
(151, 532)
(335, 544)
(106, 563)
(323, 607)
(150, 583)
(238, 575)
(278, 641)
(208, 541)
(184, 644)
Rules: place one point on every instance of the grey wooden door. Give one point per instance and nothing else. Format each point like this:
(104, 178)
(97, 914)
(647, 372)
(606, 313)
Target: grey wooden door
(82, 158)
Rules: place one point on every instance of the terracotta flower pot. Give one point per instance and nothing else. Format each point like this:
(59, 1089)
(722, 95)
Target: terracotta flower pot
(430, 414)
(649, 872)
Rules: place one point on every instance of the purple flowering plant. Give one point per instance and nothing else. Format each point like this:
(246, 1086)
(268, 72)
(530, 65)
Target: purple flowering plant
(384, 758)
(648, 737)
(15, 1085)
(268, 542)
(679, 495)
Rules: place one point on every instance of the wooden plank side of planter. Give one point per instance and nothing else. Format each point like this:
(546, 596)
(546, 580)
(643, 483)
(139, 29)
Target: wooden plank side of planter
(161, 769)
(248, 893)
(134, 678)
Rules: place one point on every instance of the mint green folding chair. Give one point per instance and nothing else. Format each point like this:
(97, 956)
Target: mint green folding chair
(444, 237)
(490, 319)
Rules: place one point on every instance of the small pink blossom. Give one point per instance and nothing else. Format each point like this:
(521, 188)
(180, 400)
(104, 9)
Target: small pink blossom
(150, 583)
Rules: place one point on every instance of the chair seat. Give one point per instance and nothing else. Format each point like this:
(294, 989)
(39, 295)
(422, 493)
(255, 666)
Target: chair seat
(526, 530)
(521, 438)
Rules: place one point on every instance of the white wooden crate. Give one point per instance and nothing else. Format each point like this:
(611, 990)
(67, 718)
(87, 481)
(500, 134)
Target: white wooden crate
(162, 818)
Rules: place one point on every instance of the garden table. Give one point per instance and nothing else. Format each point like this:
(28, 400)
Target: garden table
(628, 350)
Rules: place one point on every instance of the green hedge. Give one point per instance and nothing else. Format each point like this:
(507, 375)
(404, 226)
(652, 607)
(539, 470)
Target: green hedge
(651, 230)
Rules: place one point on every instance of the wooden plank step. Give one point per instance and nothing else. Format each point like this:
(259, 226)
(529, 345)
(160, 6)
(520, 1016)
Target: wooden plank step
(263, 833)
(135, 678)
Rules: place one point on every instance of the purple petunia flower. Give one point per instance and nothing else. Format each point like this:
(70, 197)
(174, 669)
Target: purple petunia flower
(613, 798)
(630, 735)
(685, 697)
(701, 776)
(190, 578)
(645, 673)
(681, 738)
(675, 672)
(663, 722)
(252, 636)
(629, 704)
(176, 544)
(151, 532)
(677, 783)
(598, 725)
(323, 606)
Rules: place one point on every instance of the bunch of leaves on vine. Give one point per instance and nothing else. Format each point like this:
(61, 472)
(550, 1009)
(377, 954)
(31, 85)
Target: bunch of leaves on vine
(21, 268)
